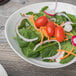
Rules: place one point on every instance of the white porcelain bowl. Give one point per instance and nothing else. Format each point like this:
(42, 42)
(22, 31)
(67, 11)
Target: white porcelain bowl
(10, 30)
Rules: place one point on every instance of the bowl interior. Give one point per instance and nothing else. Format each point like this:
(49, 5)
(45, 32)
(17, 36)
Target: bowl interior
(11, 24)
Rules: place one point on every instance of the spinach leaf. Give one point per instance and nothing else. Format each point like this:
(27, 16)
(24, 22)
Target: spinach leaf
(64, 19)
(30, 22)
(24, 23)
(49, 51)
(44, 8)
(27, 47)
(35, 17)
(48, 60)
(66, 60)
(29, 13)
(67, 46)
(72, 17)
(27, 33)
(38, 14)
(59, 19)
(72, 32)
(22, 43)
(28, 51)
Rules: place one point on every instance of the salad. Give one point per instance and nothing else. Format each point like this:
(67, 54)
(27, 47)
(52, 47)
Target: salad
(47, 34)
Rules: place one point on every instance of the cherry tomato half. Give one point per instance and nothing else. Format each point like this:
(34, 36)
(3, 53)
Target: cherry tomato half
(50, 28)
(59, 34)
(41, 21)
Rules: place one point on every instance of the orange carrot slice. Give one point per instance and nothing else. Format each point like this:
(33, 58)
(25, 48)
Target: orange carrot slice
(62, 24)
(29, 27)
(69, 52)
(66, 39)
(44, 14)
(53, 38)
(56, 24)
(69, 34)
(32, 19)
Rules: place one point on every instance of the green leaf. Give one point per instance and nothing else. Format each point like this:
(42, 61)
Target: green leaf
(21, 42)
(74, 25)
(66, 60)
(59, 19)
(72, 17)
(67, 46)
(64, 19)
(49, 51)
(29, 51)
(23, 23)
(44, 8)
(48, 60)
(28, 33)
(30, 22)
(38, 14)
(72, 32)
(45, 46)
(29, 13)
(35, 17)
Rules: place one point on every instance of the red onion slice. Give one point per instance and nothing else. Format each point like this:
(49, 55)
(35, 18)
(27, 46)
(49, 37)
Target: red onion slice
(68, 26)
(53, 19)
(51, 12)
(23, 38)
(73, 39)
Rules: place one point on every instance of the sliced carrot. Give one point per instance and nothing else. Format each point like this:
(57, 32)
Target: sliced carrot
(53, 38)
(69, 34)
(69, 52)
(44, 14)
(56, 24)
(32, 19)
(29, 27)
(44, 31)
(60, 52)
(66, 39)
(42, 27)
(62, 24)
(50, 60)
(65, 56)
(66, 36)
(48, 38)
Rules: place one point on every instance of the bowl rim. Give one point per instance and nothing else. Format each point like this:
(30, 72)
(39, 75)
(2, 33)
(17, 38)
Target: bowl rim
(16, 51)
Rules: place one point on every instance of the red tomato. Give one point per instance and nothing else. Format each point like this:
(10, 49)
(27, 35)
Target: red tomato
(59, 34)
(41, 21)
(50, 28)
